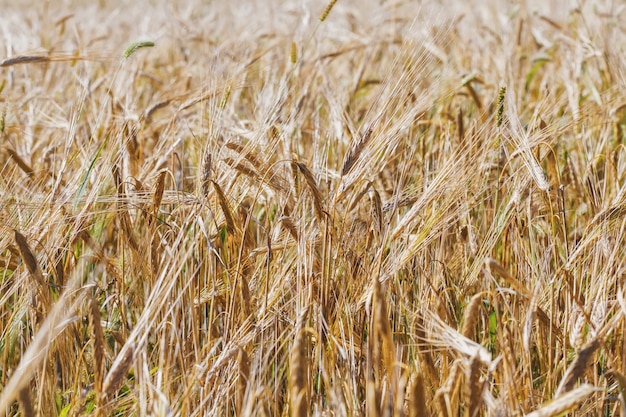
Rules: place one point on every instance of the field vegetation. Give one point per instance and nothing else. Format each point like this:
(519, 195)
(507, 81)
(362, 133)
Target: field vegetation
(292, 208)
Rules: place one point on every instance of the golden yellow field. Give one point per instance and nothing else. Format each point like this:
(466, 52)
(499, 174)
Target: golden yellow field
(292, 208)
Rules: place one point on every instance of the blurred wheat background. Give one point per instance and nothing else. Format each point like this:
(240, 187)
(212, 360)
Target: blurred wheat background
(292, 208)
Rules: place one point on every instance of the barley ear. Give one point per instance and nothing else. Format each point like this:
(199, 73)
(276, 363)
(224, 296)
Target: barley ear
(472, 312)
(243, 365)
(383, 329)
(228, 215)
(118, 371)
(98, 344)
(24, 59)
(355, 151)
(133, 47)
(327, 10)
(579, 366)
(158, 193)
(207, 166)
(26, 402)
(417, 402)
(500, 111)
(621, 383)
(33, 268)
(20, 162)
(298, 371)
(563, 403)
(314, 189)
(288, 224)
(294, 52)
(377, 210)
(473, 387)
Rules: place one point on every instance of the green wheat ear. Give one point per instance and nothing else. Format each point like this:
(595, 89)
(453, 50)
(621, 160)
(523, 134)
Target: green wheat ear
(136, 45)
(500, 106)
(2, 119)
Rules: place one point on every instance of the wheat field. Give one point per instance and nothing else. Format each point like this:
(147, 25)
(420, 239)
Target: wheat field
(293, 208)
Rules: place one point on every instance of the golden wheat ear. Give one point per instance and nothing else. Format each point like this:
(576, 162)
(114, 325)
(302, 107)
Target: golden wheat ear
(298, 363)
(417, 401)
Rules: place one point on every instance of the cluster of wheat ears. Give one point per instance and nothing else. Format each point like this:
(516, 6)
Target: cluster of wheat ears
(270, 208)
